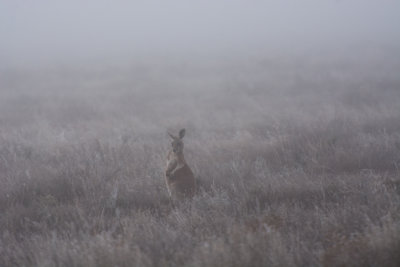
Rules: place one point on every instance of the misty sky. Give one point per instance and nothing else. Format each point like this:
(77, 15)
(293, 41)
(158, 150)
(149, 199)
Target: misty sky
(51, 30)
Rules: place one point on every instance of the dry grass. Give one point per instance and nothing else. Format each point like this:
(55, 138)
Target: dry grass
(298, 165)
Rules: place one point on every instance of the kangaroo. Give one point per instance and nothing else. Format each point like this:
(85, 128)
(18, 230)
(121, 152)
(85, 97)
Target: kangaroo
(178, 176)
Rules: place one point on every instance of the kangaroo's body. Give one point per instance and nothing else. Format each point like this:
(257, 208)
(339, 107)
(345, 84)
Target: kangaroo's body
(178, 175)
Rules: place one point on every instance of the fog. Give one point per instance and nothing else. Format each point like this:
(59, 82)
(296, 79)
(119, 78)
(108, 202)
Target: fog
(291, 112)
(48, 32)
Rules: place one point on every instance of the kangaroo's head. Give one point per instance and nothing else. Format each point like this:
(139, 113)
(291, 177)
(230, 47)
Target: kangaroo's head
(177, 143)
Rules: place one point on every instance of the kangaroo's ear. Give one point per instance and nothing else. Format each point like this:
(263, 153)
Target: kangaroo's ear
(170, 135)
(182, 133)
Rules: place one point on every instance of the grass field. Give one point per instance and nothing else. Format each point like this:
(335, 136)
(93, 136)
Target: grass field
(297, 162)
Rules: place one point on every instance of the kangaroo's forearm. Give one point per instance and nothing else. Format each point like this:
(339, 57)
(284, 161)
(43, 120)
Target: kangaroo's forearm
(171, 166)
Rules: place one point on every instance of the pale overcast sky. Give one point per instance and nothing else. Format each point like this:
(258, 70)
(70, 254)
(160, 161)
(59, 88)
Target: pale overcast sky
(51, 30)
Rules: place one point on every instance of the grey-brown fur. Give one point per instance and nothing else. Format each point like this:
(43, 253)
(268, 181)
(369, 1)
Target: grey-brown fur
(178, 175)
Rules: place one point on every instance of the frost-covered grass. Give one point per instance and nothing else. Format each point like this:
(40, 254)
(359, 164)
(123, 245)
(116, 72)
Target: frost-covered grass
(297, 162)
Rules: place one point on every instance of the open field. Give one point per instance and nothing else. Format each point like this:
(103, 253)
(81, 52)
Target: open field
(298, 162)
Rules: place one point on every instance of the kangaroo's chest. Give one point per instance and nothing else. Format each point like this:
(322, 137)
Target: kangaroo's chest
(173, 159)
